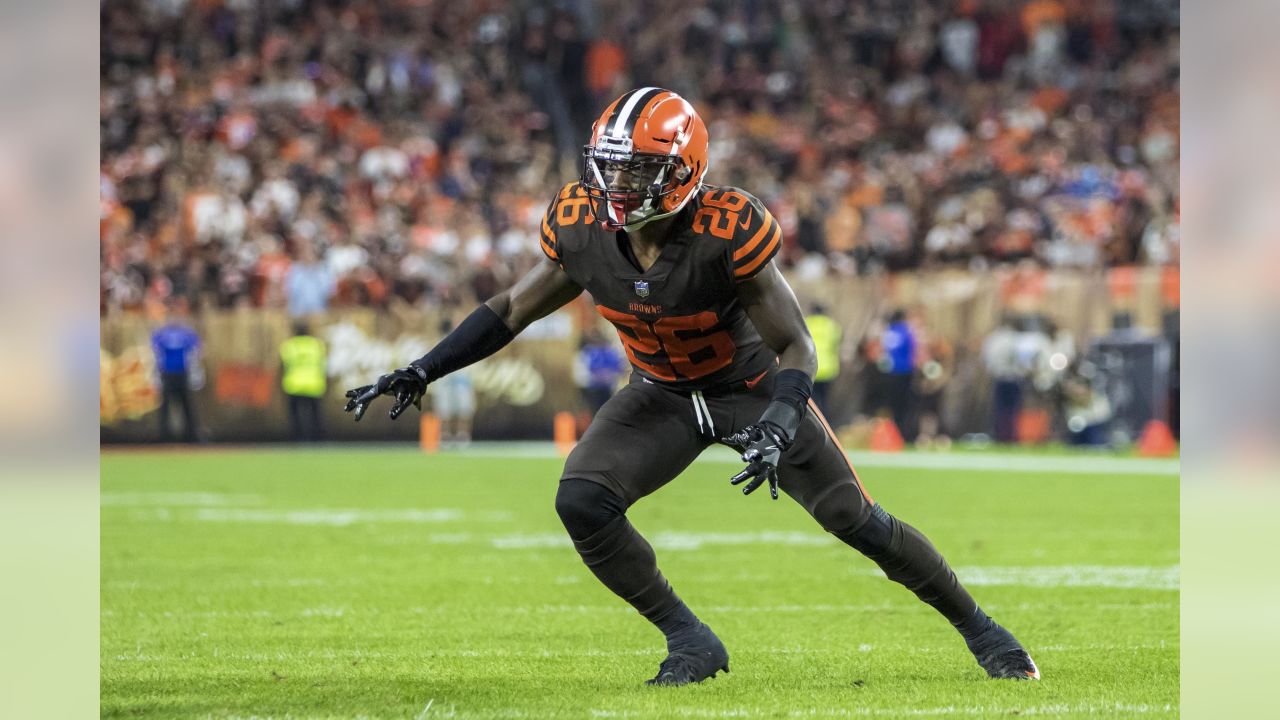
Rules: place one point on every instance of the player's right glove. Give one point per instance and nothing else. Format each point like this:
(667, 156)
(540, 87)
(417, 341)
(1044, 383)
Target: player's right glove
(482, 334)
(406, 385)
(762, 445)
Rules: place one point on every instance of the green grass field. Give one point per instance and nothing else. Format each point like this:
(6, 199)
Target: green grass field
(383, 583)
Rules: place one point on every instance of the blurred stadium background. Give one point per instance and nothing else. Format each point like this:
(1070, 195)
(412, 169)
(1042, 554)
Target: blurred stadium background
(981, 207)
(994, 183)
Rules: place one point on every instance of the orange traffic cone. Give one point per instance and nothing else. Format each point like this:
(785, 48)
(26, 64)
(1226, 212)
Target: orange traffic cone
(885, 437)
(565, 432)
(1032, 426)
(1156, 440)
(429, 433)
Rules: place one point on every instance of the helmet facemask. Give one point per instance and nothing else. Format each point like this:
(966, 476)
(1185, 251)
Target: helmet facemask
(630, 185)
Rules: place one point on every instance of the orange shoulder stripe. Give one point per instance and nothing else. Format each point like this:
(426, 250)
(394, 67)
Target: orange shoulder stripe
(546, 229)
(774, 241)
(547, 237)
(745, 250)
(551, 253)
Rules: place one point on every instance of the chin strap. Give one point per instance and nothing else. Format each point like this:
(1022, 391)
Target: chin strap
(632, 227)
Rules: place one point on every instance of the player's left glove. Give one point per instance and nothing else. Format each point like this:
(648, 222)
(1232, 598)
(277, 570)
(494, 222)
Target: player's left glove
(406, 385)
(762, 445)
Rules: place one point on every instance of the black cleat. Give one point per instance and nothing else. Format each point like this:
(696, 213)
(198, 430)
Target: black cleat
(1002, 656)
(699, 657)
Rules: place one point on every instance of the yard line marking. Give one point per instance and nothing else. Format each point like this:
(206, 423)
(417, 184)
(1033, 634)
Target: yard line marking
(833, 651)
(194, 499)
(335, 517)
(994, 461)
(671, 540)
(1083, 465)
(619, 609)
(1131, 577)
(1138, 577)
(1079, 464)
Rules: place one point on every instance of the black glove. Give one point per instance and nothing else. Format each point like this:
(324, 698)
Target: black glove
(762, 445)
(406, 385)
(482, 334)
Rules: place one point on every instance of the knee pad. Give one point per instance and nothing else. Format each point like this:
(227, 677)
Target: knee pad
(585, 507)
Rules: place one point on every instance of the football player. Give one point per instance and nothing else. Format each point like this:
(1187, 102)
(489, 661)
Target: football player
(685, 271)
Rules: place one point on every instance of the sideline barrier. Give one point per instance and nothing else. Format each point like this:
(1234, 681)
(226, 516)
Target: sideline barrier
(520, 390)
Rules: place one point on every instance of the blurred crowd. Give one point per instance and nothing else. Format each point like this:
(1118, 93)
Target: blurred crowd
(1030, 381)
(310, 153)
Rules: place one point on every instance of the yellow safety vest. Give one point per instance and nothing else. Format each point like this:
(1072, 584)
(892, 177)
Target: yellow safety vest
(304, 366)
(826, 340)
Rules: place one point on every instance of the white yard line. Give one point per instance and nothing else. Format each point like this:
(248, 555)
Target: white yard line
(671, 540)
(333, 517)
(996, 462)
(1139, 577)
(175, 499)
(1082, 463)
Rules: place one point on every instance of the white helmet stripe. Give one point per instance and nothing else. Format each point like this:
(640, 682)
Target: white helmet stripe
(620, 125)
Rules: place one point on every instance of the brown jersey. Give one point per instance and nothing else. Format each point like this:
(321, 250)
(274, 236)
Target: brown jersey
(680, 321)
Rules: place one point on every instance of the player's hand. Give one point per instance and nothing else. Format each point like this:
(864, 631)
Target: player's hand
(762, 445)
(405, 385)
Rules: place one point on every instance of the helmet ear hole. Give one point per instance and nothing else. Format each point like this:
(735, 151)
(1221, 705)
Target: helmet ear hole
(683, 173)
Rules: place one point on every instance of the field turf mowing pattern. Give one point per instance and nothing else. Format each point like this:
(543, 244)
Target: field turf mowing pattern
(383, 583)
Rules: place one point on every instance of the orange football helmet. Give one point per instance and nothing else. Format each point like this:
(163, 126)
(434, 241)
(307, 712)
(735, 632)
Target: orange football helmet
(646, 158)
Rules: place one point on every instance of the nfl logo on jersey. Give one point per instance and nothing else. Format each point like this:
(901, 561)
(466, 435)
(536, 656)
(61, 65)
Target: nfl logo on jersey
(642, 288)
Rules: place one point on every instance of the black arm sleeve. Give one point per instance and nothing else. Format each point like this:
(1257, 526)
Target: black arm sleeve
(482, 334)
(791, 390)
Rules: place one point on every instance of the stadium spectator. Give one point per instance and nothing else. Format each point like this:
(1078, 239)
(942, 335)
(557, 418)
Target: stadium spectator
(453, 398)
(935, 367)
(177, 350)
(303, 378)
(309, 283)
(1017, 356)
(1000, 357)
(597, 370)
(827, 338)
(403, 141)
(898, 362)
(1087, 410)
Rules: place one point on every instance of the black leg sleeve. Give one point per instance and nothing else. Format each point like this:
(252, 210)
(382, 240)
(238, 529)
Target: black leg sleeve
(904, 554)
(617, 554)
